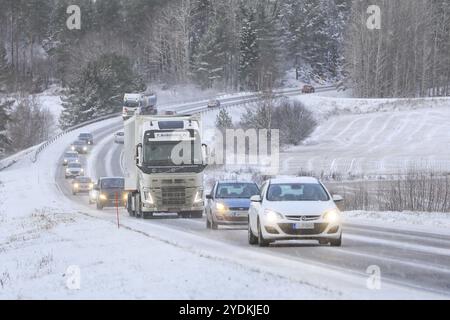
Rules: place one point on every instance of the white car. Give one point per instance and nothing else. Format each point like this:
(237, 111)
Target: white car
(73, 170)
(70, 156)
(119, 137)
(294, 209)
(214, 103)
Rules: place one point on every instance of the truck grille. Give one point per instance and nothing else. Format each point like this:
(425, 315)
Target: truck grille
(173, 196)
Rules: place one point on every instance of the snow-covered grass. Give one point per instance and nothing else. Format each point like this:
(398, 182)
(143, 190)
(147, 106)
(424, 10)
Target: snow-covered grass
(434, 222)
(373, 136)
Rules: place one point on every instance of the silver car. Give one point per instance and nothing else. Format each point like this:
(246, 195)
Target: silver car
(228, 203)
(70, 156)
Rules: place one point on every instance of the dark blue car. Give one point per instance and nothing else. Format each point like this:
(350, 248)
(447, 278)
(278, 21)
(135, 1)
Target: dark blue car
(229, 202)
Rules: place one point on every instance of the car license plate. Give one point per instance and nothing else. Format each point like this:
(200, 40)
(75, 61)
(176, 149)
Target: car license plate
(303, 225)
(239, 214)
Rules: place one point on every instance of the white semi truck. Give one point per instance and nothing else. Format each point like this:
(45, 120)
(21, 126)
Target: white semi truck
(164, 160)
(137, 103)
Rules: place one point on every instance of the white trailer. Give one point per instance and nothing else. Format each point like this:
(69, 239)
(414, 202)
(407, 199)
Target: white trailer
(164, 160)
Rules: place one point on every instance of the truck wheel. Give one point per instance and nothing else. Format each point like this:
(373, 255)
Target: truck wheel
(130, 206)
(99, 206)
(138, 206)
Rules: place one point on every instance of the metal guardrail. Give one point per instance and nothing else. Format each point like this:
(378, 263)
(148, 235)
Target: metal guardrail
(59, 135)
(230, 102)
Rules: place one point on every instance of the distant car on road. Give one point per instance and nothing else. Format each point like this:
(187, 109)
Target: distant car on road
(81, 185)
(308, 89)
(70, 156)
(73, 170)
(294, 209)
(228, 203)
(119, 137)
(109, 191)
(87, 137)
(80, 146)
(213, 103)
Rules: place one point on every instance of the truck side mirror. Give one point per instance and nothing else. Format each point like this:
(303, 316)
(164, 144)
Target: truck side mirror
(138, 154)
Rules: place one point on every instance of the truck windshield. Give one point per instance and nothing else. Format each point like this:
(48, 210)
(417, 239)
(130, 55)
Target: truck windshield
(172, 153)
(131, 104)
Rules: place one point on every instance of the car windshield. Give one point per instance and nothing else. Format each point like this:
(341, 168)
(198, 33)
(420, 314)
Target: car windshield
(173, 153)
(83, 180)
(74, 165)
(71, 155)
(79, 143)
(297, 192)
(85, 135)
(113, 183)
(236, 190)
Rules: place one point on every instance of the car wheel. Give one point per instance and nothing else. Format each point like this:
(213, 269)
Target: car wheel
(99, 206)
(336, 242)
(208, 224)
(252, 239)
(74, 193)
(261, 241)
(214, 224)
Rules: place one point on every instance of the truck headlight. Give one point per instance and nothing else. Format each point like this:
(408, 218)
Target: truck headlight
(332, 216)
(103, 197)
(272, 216)
(198, 197)
(76, 185)
(67, 171)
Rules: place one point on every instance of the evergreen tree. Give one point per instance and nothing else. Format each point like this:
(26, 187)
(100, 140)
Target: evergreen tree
(248, 73)
(5, 140)
(98, 89)
(5, 69)
(224, 120)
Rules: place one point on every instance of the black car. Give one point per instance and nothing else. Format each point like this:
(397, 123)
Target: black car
(87, 137)
(80, 146)
(110, 192)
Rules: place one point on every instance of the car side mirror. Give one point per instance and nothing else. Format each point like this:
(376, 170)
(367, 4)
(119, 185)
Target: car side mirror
(96, 187)
(337, 198)
(256, 198)
(209, 197)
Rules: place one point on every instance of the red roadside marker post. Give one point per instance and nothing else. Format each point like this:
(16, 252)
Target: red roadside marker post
(117, 210)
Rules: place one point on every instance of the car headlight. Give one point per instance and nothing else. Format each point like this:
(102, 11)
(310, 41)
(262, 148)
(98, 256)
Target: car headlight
(332, 216)
(91, 186)
(148, 197)
(81, 170)
(85, 148)
(125, 197)
(76, 185)
(67, 171)
(221, 207)
(272, 216)
(198, 197)
(103, 197)
(73, 148)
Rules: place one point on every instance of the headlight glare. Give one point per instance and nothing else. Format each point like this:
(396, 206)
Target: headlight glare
(272, 216)
(332, 216)
(221, 207)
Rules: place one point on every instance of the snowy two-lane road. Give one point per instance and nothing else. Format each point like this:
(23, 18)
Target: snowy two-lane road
(415, 261)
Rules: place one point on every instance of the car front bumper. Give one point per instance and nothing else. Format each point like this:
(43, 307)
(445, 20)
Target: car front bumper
(286, 230)
(230, 217)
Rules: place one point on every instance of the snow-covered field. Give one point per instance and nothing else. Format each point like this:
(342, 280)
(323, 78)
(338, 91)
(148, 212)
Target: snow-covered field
(373, 136)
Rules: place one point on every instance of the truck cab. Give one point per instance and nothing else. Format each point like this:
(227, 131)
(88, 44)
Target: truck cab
(164, 164)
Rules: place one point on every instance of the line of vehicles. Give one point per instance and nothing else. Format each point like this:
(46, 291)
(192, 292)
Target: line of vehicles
(164, 161)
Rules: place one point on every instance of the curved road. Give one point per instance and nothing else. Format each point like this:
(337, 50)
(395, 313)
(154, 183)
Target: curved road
(411, 259)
